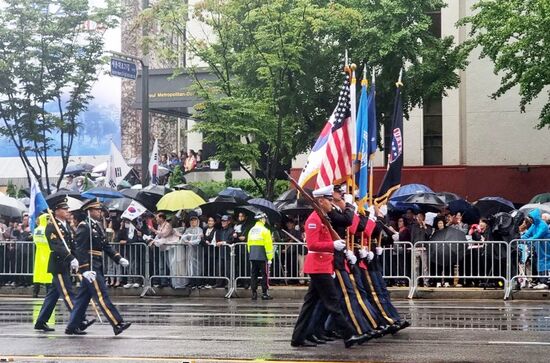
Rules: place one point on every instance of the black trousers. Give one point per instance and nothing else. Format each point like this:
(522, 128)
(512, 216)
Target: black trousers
(321, 287)
(258, 268)
(62, 287)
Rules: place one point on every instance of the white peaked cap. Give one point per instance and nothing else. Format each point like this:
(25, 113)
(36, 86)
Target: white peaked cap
(323, 192)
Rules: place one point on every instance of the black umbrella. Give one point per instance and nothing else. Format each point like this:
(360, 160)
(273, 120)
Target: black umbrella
(120, 204)
(65, 193)
(193, 188)
(428, 202)
(470, 214)
(249, 210)
(78, 168)
(150, 196)
(237, 193)
(288, 196)
(447, 196)
(130, 193)
(268, 208)
(489, 206)
(220, 205)
(447, 254)
(296, 208)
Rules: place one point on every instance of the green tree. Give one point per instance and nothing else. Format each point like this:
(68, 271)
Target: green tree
(515, 34)
(49, 59)
(278, 67)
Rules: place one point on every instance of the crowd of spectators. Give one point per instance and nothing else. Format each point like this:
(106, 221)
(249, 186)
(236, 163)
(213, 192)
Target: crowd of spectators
(188, 161)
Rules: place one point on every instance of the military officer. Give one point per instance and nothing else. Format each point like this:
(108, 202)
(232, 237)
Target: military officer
(61, 262)
(319, 265)
(90, 244)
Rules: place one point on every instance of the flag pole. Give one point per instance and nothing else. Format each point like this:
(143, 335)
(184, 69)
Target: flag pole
(371, 157)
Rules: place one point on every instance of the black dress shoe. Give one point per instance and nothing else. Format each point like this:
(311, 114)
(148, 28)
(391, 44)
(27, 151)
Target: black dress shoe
(394, 328)
(366, 337)
(121, 327)
(76, 331)
(353, 340)
(334, 334)
(43, 327)
(85, 324)
(254, 295)
(267, 297)
(404, 324)
(305, 343)
(316, 340)
(325, 338)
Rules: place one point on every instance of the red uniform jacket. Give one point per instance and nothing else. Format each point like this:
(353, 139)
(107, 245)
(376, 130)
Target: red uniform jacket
(320, 255)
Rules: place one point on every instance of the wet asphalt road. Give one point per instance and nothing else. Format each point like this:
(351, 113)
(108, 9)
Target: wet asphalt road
(219, 330)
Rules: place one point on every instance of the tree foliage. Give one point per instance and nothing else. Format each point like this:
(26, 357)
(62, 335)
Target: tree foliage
(278, 66)
(515, 34)
(49, 60)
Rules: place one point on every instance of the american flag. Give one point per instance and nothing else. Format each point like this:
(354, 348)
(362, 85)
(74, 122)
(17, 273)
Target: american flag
(336, 163)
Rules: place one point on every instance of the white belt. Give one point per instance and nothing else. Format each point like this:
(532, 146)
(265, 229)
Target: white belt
(323, 253)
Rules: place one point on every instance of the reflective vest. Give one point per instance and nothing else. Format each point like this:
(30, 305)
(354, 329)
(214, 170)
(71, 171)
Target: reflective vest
(42, 256)
(260, 244)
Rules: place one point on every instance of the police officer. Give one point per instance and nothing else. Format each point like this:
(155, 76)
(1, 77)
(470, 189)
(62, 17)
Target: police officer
(61, 262)
(319, 266)
(41, 257)
(260, 249)
(90, 240)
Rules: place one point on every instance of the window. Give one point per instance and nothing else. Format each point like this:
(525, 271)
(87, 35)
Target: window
(433, 132)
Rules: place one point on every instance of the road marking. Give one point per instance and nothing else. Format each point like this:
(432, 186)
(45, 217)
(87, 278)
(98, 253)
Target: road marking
(154, 359)
(512, 342)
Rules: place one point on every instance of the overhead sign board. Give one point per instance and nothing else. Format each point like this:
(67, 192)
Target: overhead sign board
(123, 68)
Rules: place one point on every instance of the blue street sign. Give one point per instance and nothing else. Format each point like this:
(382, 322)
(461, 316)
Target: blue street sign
(123, 68)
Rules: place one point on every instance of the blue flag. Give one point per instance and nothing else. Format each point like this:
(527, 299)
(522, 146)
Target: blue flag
(373, 125)
(363, 146)
(37, 204)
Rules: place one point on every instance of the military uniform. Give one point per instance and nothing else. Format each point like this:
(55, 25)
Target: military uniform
(59, 267)
(96, 289)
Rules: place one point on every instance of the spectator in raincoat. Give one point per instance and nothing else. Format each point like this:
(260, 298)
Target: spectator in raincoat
(42, 256)
(191, 239)
(537, 231)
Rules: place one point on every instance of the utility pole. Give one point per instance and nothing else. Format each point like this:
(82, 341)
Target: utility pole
(144, 108)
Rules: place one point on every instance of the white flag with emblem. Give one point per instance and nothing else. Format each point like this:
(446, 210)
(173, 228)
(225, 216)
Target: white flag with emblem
(134, 210)
(117, 169)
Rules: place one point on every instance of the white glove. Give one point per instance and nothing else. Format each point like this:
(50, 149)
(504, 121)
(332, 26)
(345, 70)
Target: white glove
(370, 256)
(339, 244)
(74, 264)
(269, 262)
(351, 257)
(89, 275)
(363, 252)
(395, 237)
(379, 251)
(124, 262)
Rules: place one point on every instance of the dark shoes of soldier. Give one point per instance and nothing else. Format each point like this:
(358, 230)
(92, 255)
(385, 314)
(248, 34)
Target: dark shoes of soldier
(334, 334)
(254, 295)
(76, 331)
(314, 339)
(85, 324)
(121, 327)
(43, 327)
(403, 324)
(305, 344)
(356, 339)
(267, 297)
(325, 338)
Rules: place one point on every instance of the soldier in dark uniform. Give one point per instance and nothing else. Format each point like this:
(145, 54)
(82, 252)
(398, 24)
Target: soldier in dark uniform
(61, 262)
(93, 242)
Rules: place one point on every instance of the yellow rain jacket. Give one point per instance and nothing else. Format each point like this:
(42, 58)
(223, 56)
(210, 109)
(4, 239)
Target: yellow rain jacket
(42, 256)
(260, 244)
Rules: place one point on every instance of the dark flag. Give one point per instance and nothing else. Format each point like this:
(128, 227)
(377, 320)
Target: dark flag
(392, 179)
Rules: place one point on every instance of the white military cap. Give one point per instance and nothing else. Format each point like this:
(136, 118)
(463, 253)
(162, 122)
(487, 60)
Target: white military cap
(323, 192)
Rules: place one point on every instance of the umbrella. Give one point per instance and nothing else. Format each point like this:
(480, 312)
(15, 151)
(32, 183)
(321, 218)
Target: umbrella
(219, 205)
(26, 201)
(541, 198)
(402, 207)
(470, 214)
(544, 208)
(404, 191)
(102, 193)
(179, 199)
(268, 208)
(236, 193)
(11, 207)
(249, 210)
(130, 193)
(288, 196)
(150, 196)
(119, 204)
(447, 196)
(62, 193)
(296, 208)
(101, 168)
(447, 254)
(429, 202)
(197, 190)
(491, 205)
(74, 204)
(78, 168)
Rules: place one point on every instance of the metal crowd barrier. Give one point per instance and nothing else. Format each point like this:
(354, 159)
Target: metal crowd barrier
(459, 260)
(16, 262)
(529, 259)
(396, 261)
(186, 266)
(135, 253)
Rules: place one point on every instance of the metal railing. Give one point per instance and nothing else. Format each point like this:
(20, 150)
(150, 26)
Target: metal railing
(188, 266)
(460, 260)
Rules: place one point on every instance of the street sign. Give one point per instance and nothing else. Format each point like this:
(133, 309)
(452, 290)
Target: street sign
(123, 68)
